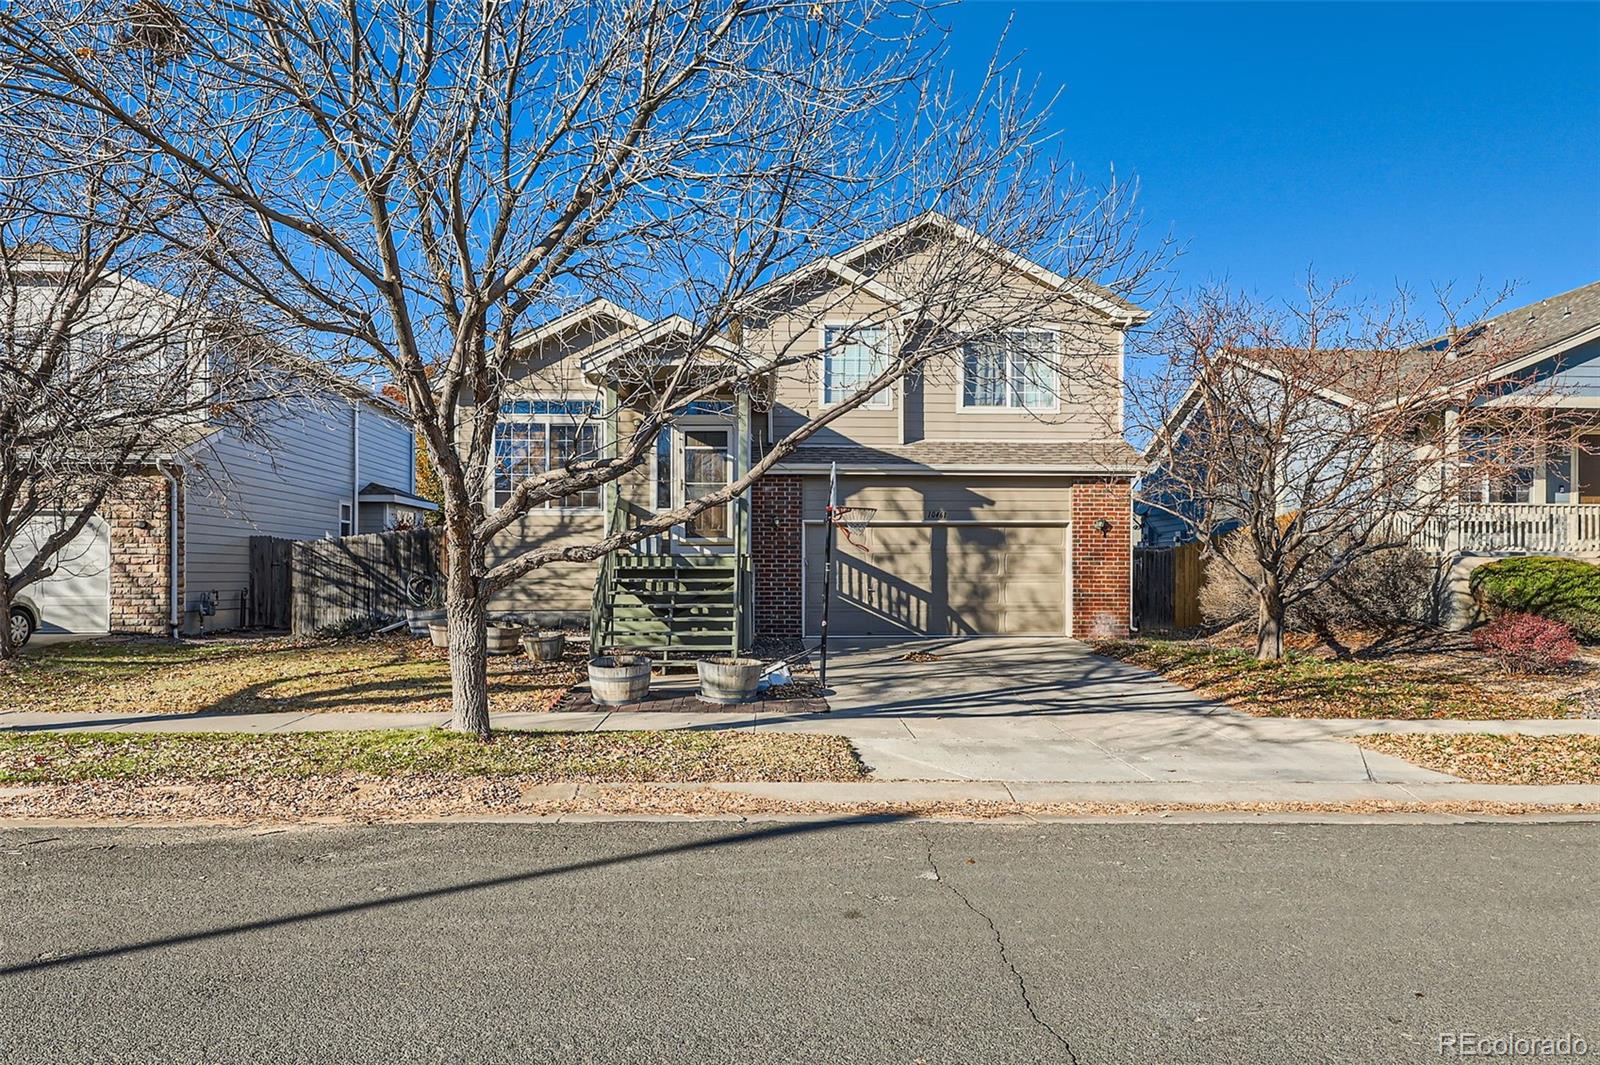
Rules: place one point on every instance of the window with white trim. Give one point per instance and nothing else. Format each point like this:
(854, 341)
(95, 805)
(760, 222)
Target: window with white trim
(346, 525)
(851, 357)
(536, 435)
(1017, 370)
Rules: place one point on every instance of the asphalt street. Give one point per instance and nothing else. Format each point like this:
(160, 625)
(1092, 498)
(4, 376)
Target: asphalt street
(794, 942)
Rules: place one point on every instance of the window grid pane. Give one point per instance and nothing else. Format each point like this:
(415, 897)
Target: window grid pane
(851, 359)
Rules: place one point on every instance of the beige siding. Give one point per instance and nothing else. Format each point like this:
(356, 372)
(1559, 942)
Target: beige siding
(796, 332)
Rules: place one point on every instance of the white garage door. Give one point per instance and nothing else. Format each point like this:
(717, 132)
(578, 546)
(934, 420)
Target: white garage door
(77, 597)
(943, 579)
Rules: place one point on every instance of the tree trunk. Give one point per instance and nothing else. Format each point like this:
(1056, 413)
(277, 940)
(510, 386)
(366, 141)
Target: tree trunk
(1269, 621)
(467, 615)
(6, 650)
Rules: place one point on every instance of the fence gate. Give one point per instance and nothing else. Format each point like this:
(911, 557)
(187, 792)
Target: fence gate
(1166, 587)
(372, 575)
(266, 602)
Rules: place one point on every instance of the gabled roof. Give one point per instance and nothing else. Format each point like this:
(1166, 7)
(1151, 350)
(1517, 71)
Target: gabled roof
(1087, 292)
(674, 327)
(598, 307)
(841, 265)
(828, 264)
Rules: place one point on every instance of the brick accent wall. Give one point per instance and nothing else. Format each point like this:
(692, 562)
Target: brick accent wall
(1102, 563)
(136, 512)
(776, 538)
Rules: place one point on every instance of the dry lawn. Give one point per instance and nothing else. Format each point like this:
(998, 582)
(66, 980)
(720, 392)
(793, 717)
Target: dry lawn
(144, 758)
(245, 676)
(1306, 685)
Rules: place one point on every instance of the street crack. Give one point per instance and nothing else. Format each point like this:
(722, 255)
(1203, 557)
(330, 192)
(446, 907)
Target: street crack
(1005, 955)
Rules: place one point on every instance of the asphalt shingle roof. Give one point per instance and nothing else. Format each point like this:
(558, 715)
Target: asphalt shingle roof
(1115, 457)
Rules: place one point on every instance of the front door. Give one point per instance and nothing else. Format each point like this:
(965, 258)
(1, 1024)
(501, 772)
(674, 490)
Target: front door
(1589, 469)
(701, 463)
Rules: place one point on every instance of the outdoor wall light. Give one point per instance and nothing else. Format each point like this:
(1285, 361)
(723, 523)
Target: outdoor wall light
(1102, 526)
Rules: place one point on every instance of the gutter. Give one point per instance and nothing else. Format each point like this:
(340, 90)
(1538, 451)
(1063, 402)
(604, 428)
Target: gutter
(174, 529)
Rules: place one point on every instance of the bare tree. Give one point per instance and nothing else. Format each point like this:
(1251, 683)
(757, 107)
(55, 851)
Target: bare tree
(1324, 431)
(418, 184)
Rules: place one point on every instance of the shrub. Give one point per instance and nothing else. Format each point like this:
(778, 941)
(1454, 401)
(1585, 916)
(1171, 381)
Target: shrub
(1563, 589)
(1385, 590)
(1527, 643)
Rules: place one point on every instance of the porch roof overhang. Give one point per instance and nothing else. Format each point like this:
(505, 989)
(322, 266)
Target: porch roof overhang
(373, 492)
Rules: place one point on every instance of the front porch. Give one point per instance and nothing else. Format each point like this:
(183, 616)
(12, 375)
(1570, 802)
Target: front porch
(1514, 528)
(1551, 506)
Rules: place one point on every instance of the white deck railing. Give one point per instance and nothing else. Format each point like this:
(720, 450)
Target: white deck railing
(1534, 528)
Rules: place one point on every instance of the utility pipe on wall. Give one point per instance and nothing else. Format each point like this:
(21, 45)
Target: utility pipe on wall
(174, 524)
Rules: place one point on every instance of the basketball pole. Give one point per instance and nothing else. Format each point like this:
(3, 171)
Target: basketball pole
(827, 573)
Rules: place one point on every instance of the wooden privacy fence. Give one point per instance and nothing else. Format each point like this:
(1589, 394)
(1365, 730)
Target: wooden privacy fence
(1166, 587)
(372, 575)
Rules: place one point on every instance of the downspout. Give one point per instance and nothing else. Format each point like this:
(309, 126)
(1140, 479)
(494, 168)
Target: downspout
(173, 530)
(355, 467)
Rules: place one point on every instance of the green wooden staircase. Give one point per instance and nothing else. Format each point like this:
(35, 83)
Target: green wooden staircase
(672, 607)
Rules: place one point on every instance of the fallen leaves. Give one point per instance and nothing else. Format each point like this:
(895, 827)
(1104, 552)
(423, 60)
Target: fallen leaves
(1493, 758)
(1302, 686)
(391, 674)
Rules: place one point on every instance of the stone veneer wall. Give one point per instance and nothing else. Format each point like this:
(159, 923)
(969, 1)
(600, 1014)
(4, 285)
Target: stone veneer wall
(136, 512)
(776, 537)
(1102, 563)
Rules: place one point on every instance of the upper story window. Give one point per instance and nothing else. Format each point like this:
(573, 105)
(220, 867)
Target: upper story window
(540, 434)
(851, 357)
(1016, 370)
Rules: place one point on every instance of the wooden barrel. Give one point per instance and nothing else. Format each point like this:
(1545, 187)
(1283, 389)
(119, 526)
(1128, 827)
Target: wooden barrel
(439, 632)
(544, 646)
(618, 679)
(728, 679)
(503, 639)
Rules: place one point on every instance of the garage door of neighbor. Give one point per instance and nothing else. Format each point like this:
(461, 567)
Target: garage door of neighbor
(943, 579)
(77, 597)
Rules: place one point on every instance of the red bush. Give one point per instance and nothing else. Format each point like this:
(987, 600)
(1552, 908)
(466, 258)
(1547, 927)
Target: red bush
(1527, 643)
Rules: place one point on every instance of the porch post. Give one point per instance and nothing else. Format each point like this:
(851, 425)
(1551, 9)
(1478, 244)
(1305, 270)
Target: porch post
(1451, 507)
(608, 492)
(741, 518)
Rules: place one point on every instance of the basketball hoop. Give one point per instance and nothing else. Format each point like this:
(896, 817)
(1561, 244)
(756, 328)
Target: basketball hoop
(855, 523)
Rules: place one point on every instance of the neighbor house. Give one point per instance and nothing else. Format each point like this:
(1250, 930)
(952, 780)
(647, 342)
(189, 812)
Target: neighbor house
(169, 549)
(1544, 355)
(999, 487)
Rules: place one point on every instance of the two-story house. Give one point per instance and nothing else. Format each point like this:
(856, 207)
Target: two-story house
(998, 480)
(318, 455)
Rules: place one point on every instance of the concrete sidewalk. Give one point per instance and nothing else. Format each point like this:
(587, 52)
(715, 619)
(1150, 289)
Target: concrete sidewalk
(996, 713)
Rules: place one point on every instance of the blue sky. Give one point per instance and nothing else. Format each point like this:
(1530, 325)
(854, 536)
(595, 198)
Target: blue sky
(1419, 143)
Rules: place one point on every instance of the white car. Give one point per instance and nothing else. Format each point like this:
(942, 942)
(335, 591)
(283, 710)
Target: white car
(24, 620)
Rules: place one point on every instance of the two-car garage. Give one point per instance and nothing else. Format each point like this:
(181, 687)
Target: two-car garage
(948, 557)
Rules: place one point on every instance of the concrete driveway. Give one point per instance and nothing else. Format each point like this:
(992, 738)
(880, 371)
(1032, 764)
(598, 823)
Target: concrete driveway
(1049, 710)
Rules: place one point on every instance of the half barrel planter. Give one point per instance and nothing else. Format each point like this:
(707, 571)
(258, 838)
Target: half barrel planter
(729, 680)
(618, 679)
